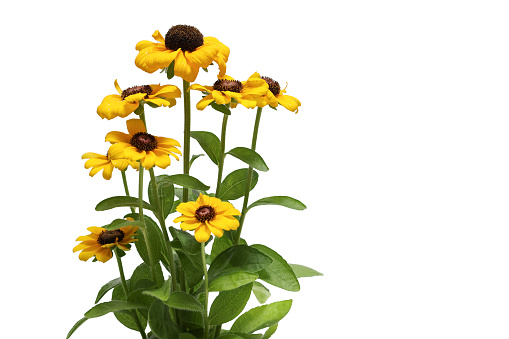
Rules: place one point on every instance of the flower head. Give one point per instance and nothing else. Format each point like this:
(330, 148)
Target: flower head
(247, 93)
(275, 96)
(139, 145)
(186, 47)
(128, 100)
(105, 163)
(100, 242)
(207, 215)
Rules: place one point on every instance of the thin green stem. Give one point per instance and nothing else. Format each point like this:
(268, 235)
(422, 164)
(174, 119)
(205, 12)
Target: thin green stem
(221, 157)
(187, 135)
(206, 302)
(124, 180)
(249, 178)
(142, 219)
(126, 292)
(162, 222)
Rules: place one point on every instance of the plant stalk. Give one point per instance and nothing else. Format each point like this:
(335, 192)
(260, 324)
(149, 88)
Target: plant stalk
(205, 311)
(124, 180)
(187, 135)
(126, 292)
(221, 157)
(249, 177)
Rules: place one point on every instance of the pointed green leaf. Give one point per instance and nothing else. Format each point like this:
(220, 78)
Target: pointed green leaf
(280, 201)
(220, 245)
(111, 306)
(160, 322)
(75, 327)
(270, 331)
(162, 293)
(121, 201)
(106, 287)
(166, 194)
(221, 108)
(261, 317)
(261, 292)
(186, 180)
(184, 301)
(229, 304)
(239, 258)
(303, 271)
(210, 143)
(250, 157)
(232, 281)
(118, 223)
(234, 185)
(279, 273)
(193, 158)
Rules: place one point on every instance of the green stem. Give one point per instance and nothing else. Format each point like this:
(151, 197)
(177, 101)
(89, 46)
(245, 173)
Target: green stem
(221, 157)
(187, 135)
(142, 219)
(126, 292)
(205, 306)
(162, 222)
(124, 180)
(249, 177)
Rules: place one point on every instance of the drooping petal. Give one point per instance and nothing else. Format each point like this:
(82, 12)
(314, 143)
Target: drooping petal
(162, 160)
(202, 56)
(162, 102)
(108, 171)
(202, 233)
(103, 255)
(185, 69)
(221, 98)
(225, 223)
(166, 91)
(149, 160)
(190, 225)
(290, 103)
(216, 231)
(158, 36)
(116, 151)
(91, 155)
(116, 137)
(134, 98)
(113, 106)
(204, 102)
(133, 153)
(197, 87)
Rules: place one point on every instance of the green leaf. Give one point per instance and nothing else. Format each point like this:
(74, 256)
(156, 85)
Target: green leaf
(162, 293)
(210, 143)
(193, 269)
(160, 322)
(106, 287)
(303, 271)
(75, 327)
(279, 273)
(220, 245)
(121, 201)
(261, 317)
(111, 306)
(280, 201)
(184, 241)
(187, 181)
(221, 108)
(236, 335)
(239, 258)
(166, 194)
(118, 223)
(250, 157)
(186, 336)
(184, 301)
(261, 292)
(151, 234)
(170, 70)
(144, 272)
(232, 281)
(229, 304)
(193, 158)
(270, 331)
(234, 185)
(126, 319)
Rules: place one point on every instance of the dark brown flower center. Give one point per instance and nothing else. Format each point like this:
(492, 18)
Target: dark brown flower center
(144, 141)
(109, 237)
(135, 90)
(205, 213)
(228, 85)
(187, 38)
(273, 85)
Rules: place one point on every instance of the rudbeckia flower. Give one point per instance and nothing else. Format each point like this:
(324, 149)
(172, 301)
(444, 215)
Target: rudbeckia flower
(207, 215)
(186, 46)
(100, 242)
(105, 163)
(128, 100)
(247, 93)
(139, 145)
(275, 96)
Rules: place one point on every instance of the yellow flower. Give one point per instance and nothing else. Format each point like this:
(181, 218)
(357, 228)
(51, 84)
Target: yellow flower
(186, 46)
(276, 96)
(139, 145)
(247, 93)
(128, 100)
(101, 241)
(100, 162)
(207, 215)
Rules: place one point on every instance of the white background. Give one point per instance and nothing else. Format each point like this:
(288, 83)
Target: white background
(400, 152)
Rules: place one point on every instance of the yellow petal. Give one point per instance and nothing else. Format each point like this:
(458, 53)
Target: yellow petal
(216, 231)
(185, 69)
(202, 233)
(119, 90)
(190, 225)
(108, 171)
(204, 102)
(133, 153)
(91, 155)
(157, 36)
(149, 160)
(115, 137)
(113, 106)
(290, 103)
(135, 126)
(202, 56)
